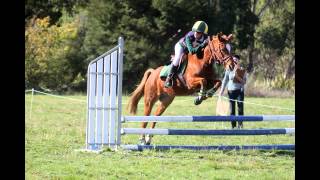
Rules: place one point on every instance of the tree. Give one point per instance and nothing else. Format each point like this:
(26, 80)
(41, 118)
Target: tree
(52, 8)
(275, 36)
(46, 65)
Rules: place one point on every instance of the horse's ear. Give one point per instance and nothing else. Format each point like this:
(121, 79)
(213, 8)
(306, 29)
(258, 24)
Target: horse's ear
(220, 34)
(224, 37)
(213, 37)
(230, 37)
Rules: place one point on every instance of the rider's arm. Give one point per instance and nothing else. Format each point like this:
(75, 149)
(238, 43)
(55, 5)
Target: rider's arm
(192, 49)
(189, 45)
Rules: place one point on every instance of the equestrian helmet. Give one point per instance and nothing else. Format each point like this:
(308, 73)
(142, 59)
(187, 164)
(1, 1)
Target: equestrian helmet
(200, 26)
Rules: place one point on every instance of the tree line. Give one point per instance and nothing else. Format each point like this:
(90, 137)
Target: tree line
(62, 37)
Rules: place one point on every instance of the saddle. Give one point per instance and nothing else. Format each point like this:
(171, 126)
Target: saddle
(181, 69)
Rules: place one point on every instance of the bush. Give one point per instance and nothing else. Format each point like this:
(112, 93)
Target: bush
(280, 82)
(269, 88)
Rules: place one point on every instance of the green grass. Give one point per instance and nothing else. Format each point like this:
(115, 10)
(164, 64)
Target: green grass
(57, 129)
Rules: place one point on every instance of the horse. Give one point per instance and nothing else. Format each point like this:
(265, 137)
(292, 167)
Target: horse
(199, 75)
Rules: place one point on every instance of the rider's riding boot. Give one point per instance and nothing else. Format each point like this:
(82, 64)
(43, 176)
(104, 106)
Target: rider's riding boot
(169, 80)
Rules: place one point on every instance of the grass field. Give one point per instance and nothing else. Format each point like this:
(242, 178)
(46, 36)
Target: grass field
(56, 129)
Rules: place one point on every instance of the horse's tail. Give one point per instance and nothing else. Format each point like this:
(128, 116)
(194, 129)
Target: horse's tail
(138, 93)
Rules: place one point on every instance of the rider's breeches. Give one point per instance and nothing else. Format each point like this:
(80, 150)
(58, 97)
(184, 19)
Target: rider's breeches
(178, 52)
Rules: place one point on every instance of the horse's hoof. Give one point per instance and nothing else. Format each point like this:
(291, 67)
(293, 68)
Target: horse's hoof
(197, 101)
(142, 141)
(148, 139)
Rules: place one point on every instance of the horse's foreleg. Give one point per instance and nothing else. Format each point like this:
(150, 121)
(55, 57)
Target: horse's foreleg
(165, 101)
(216, 86)
(195, 83)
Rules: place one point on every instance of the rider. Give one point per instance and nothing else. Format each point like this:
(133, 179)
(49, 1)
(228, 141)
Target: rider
(192, 42)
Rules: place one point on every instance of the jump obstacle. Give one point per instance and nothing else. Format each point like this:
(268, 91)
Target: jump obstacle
(104, 114)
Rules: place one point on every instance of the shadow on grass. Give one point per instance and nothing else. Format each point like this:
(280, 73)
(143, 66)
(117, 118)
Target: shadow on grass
(231, 152)
(269, 153)
(284, 153)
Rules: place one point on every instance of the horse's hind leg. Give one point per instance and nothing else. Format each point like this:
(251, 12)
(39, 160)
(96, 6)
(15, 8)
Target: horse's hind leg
(148, 104)
(164, 101)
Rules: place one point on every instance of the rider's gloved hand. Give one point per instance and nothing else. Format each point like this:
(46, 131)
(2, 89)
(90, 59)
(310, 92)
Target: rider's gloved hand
(204, 43)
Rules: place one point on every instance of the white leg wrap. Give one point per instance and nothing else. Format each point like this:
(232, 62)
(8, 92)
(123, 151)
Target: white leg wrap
(148, 138)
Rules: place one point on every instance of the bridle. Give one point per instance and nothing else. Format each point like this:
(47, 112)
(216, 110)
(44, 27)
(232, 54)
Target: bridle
(214, 56)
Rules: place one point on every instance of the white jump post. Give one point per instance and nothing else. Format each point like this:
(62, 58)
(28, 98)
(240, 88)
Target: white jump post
(104, 99)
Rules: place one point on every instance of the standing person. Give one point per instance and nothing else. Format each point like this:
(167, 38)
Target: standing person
(192, 42)
(235, 81)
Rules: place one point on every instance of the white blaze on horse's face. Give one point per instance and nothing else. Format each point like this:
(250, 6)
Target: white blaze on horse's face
(228, 46)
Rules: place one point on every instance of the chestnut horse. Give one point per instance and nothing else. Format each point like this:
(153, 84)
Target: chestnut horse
(199, 75)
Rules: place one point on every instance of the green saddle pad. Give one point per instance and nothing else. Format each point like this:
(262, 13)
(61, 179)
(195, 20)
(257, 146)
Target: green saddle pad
(166, 69)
